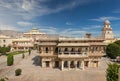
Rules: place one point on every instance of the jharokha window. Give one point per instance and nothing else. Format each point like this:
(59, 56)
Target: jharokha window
(47, 49)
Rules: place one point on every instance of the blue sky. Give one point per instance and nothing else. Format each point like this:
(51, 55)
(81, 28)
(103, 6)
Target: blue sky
(65, 17)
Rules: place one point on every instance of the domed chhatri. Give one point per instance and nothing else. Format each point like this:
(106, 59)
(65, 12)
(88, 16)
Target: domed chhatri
(107, 21)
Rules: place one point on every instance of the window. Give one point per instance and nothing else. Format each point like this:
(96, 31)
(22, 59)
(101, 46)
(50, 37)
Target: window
(47, 50)
(39, 49)
(66, 50)
(4, 41)
(56, 50)
(79, 51)
(72, 51)
(86, 49)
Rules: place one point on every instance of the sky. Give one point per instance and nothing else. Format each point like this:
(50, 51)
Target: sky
(64, 17)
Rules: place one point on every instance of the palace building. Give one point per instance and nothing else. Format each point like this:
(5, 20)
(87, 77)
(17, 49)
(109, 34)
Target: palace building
(74, 53)
(22, 44)
(65, 53)
(5, 41)
(34, 34)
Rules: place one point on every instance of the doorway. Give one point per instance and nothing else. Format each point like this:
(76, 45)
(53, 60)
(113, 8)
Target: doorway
(47, 64)
(56, 64)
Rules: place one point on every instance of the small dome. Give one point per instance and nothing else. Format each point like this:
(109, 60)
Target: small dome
(107, 21)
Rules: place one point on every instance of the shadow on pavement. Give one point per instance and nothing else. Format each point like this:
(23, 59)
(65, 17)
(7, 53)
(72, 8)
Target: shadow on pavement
(37, 61)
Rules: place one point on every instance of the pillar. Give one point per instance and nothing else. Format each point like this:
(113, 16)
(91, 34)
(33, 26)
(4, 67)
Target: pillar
(75, 64)
(82, 64)
(89, 64)
(62, 65)
(69, 65)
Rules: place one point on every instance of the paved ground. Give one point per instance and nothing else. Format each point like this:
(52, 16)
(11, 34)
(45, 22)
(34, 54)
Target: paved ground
(31, 71)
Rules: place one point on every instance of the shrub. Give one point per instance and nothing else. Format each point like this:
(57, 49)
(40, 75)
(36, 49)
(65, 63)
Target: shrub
(112, 72)
(10, 60)
(18, 72)
(23, 56)
(29, 51)
(2, 79)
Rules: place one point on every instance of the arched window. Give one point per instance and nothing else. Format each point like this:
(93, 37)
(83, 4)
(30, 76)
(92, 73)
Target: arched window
(79, 50)
(39, 49)
(66, 50)
(72, 51)
(86, 49)
(47, 49)
(56, 50)
(96, 48)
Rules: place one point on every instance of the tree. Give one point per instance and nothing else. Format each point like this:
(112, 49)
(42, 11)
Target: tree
(117, 42)
(112, 72)
(3, 50)
(113, 50)
(10, 60)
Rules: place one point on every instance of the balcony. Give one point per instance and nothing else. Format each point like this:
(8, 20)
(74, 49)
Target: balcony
(72, 55)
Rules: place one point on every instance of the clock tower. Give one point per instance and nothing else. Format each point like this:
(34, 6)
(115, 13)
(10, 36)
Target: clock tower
(107, 31)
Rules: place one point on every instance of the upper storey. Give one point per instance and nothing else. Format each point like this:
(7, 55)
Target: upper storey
(35, 34)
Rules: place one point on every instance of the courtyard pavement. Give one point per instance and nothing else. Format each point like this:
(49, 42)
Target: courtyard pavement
(31, 71)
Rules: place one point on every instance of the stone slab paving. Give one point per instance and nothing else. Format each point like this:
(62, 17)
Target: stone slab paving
(32, 72)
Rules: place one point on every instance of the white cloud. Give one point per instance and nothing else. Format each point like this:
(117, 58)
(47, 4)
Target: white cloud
(69, 23)
(32, 8)
(92, 27)
(71, 32)
(8, 27)
(116, 11)
(22, 23)
(104, 18)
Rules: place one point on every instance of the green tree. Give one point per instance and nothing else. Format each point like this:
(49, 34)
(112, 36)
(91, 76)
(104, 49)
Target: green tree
(3, 50)
(113, 50)
(117, 42)
(10, 60)
(112, 72)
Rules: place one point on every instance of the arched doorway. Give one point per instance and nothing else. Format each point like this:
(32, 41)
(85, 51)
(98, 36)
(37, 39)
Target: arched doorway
(72, 65)
(65, 64)
(56, 64)
(78, 64)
